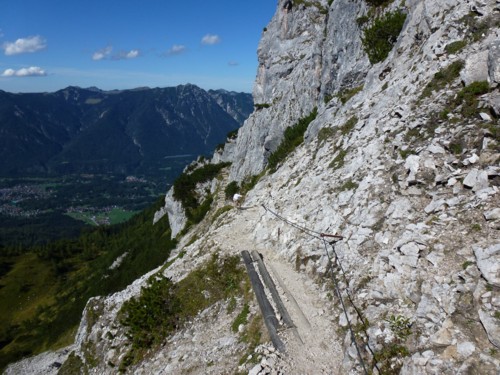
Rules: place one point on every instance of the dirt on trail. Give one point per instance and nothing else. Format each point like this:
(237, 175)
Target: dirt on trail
(315, 347)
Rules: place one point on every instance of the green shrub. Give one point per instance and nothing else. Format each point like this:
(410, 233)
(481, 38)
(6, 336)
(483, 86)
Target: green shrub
(197, 214)
(494, 130)
(400, 325)
(443, 77)
(476, 227)
(163, 306)
(185, 185)
(231, 189)
(252, 336)
(233, 134)
(385, 358)
(349, 185)
(412, 133)
(152, 316)
(475, 88)
(390, 357)
(467, 97)
(293, 137)
(250, 181)
(377, 3)
(379, 38)
(259, 106)
(467, 264)
(221, 211)
(324, 134)
(456, 147)
(363, 20)
(338, 161)
(479, 27)
(242, 318)
(405, 153)
(72, 365)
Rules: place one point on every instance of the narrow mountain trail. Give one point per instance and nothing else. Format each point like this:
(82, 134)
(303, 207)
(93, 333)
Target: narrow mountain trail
(317, 347)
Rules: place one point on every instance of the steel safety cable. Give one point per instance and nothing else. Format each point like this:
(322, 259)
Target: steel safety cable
(321, 236)
(339, 294)
(308, 231)
(360, 316)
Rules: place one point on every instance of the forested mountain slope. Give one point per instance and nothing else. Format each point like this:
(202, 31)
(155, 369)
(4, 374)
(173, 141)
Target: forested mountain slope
(79, 130)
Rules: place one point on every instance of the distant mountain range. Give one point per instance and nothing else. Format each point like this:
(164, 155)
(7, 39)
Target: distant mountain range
(78, 130)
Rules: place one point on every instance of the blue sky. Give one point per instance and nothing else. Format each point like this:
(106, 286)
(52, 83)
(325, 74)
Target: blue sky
(48, 45)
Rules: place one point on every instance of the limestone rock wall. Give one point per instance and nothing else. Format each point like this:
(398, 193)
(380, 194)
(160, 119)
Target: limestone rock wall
(288, 84)
(417, 211)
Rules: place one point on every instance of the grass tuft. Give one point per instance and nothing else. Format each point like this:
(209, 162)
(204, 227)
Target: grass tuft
(443, 78)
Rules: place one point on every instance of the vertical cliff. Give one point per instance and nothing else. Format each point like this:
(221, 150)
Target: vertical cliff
(312, 51)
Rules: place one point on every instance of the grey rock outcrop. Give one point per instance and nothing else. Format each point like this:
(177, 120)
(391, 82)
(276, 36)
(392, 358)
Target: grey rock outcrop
(176, 215)
(494, 62)
(488, 262)
(492, 327)
(476, 68)
(289, 52)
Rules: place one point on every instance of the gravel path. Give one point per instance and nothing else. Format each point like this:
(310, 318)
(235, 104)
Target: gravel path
(317, 347)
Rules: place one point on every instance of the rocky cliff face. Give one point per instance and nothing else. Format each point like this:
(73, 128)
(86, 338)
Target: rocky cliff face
(304, 55)
(402, 161)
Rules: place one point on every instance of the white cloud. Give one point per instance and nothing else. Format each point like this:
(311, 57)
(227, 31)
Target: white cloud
(132, 54)
(210, 39)
(176, 49)
(9, 73)
(233, 63)
(124, 55)
(33, 71)
(24, 45)
(102, 53)
(105, 53)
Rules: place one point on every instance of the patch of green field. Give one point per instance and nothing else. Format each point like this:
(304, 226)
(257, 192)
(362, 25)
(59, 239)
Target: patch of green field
(118, 215)
(108, 217)
(82, 217)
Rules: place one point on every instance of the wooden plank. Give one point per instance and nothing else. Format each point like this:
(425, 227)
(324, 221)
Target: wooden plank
(268, 281)
(265, 306)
